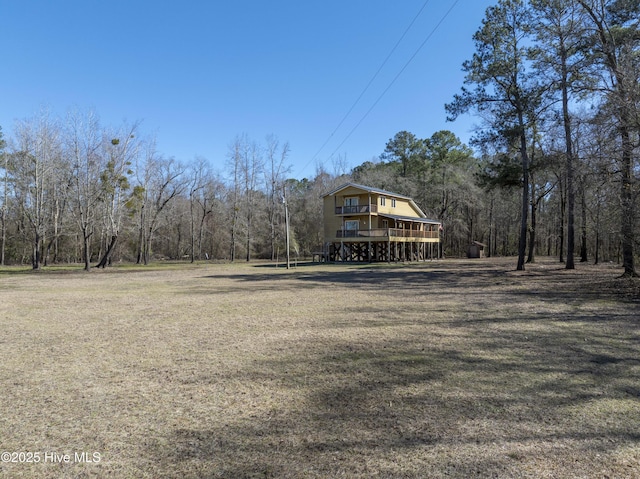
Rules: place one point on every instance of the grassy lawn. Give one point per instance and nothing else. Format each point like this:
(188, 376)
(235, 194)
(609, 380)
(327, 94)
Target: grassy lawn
(459, 368)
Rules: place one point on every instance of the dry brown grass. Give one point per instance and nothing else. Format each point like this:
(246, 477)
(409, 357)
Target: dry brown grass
(445, 369)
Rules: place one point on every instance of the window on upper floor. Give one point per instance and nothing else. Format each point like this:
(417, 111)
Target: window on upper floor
(393, 202)
(383, 201)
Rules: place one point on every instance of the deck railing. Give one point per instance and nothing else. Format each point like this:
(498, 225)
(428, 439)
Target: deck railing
(386, 233)
(356, 210)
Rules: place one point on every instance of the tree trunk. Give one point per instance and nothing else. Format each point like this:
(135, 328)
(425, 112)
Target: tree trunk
(491, 249)
(36, 260)
(522, 245)
(249, 235)
(106, 259)
(86, 249)
(193, 230)
(140, 247)
(597, 253)
(532, 236)
(623, 98)
(583, 239)
(627, 199)
(532, 228)
(201, 233)
(569, 162)
(232, 252)
(4, 236)
(563, 207)
(147, 244)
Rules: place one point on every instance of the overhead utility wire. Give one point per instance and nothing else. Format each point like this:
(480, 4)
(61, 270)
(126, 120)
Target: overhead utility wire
(396, 77)
(375, 75)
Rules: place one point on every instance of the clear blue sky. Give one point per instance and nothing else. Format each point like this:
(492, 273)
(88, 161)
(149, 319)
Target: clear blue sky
(200, 73)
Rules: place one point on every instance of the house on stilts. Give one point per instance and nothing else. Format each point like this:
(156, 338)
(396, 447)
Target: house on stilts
(363, 224)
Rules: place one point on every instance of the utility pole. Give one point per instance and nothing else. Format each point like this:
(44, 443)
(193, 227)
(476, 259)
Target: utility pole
(286, 221)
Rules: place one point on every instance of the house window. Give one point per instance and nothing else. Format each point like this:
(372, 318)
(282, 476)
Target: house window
(351, 229)
(350, 205)
(385, 224)
(382, 201)
(351, 225)
(393, 202)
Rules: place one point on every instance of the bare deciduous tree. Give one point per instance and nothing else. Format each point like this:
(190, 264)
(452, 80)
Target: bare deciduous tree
(162, 182)
(35, 167)
(83, 141)
(274, 173)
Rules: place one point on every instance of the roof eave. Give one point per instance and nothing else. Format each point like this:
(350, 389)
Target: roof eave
(367, 189)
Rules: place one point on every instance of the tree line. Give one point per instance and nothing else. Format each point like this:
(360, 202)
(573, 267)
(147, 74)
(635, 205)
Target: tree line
(554, 170)
(555, 88)
(559, 78)
(75, 191)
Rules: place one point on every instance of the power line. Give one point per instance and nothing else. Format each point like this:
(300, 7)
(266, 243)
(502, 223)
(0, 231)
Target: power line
(375, 75)
(396, 77)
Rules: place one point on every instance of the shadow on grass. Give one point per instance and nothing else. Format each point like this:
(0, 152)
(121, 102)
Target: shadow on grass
(561, 399)
(493, 389)
(550, 282)
(366, 277)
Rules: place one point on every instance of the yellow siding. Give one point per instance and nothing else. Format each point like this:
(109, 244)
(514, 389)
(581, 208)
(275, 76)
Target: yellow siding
(352, 191)
(333, 223)
(402, 235)
(402, 208)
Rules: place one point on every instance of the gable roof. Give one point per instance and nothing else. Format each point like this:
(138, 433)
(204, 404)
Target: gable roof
(367, 189)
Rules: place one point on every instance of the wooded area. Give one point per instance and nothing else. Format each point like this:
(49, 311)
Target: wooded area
(554, 168)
